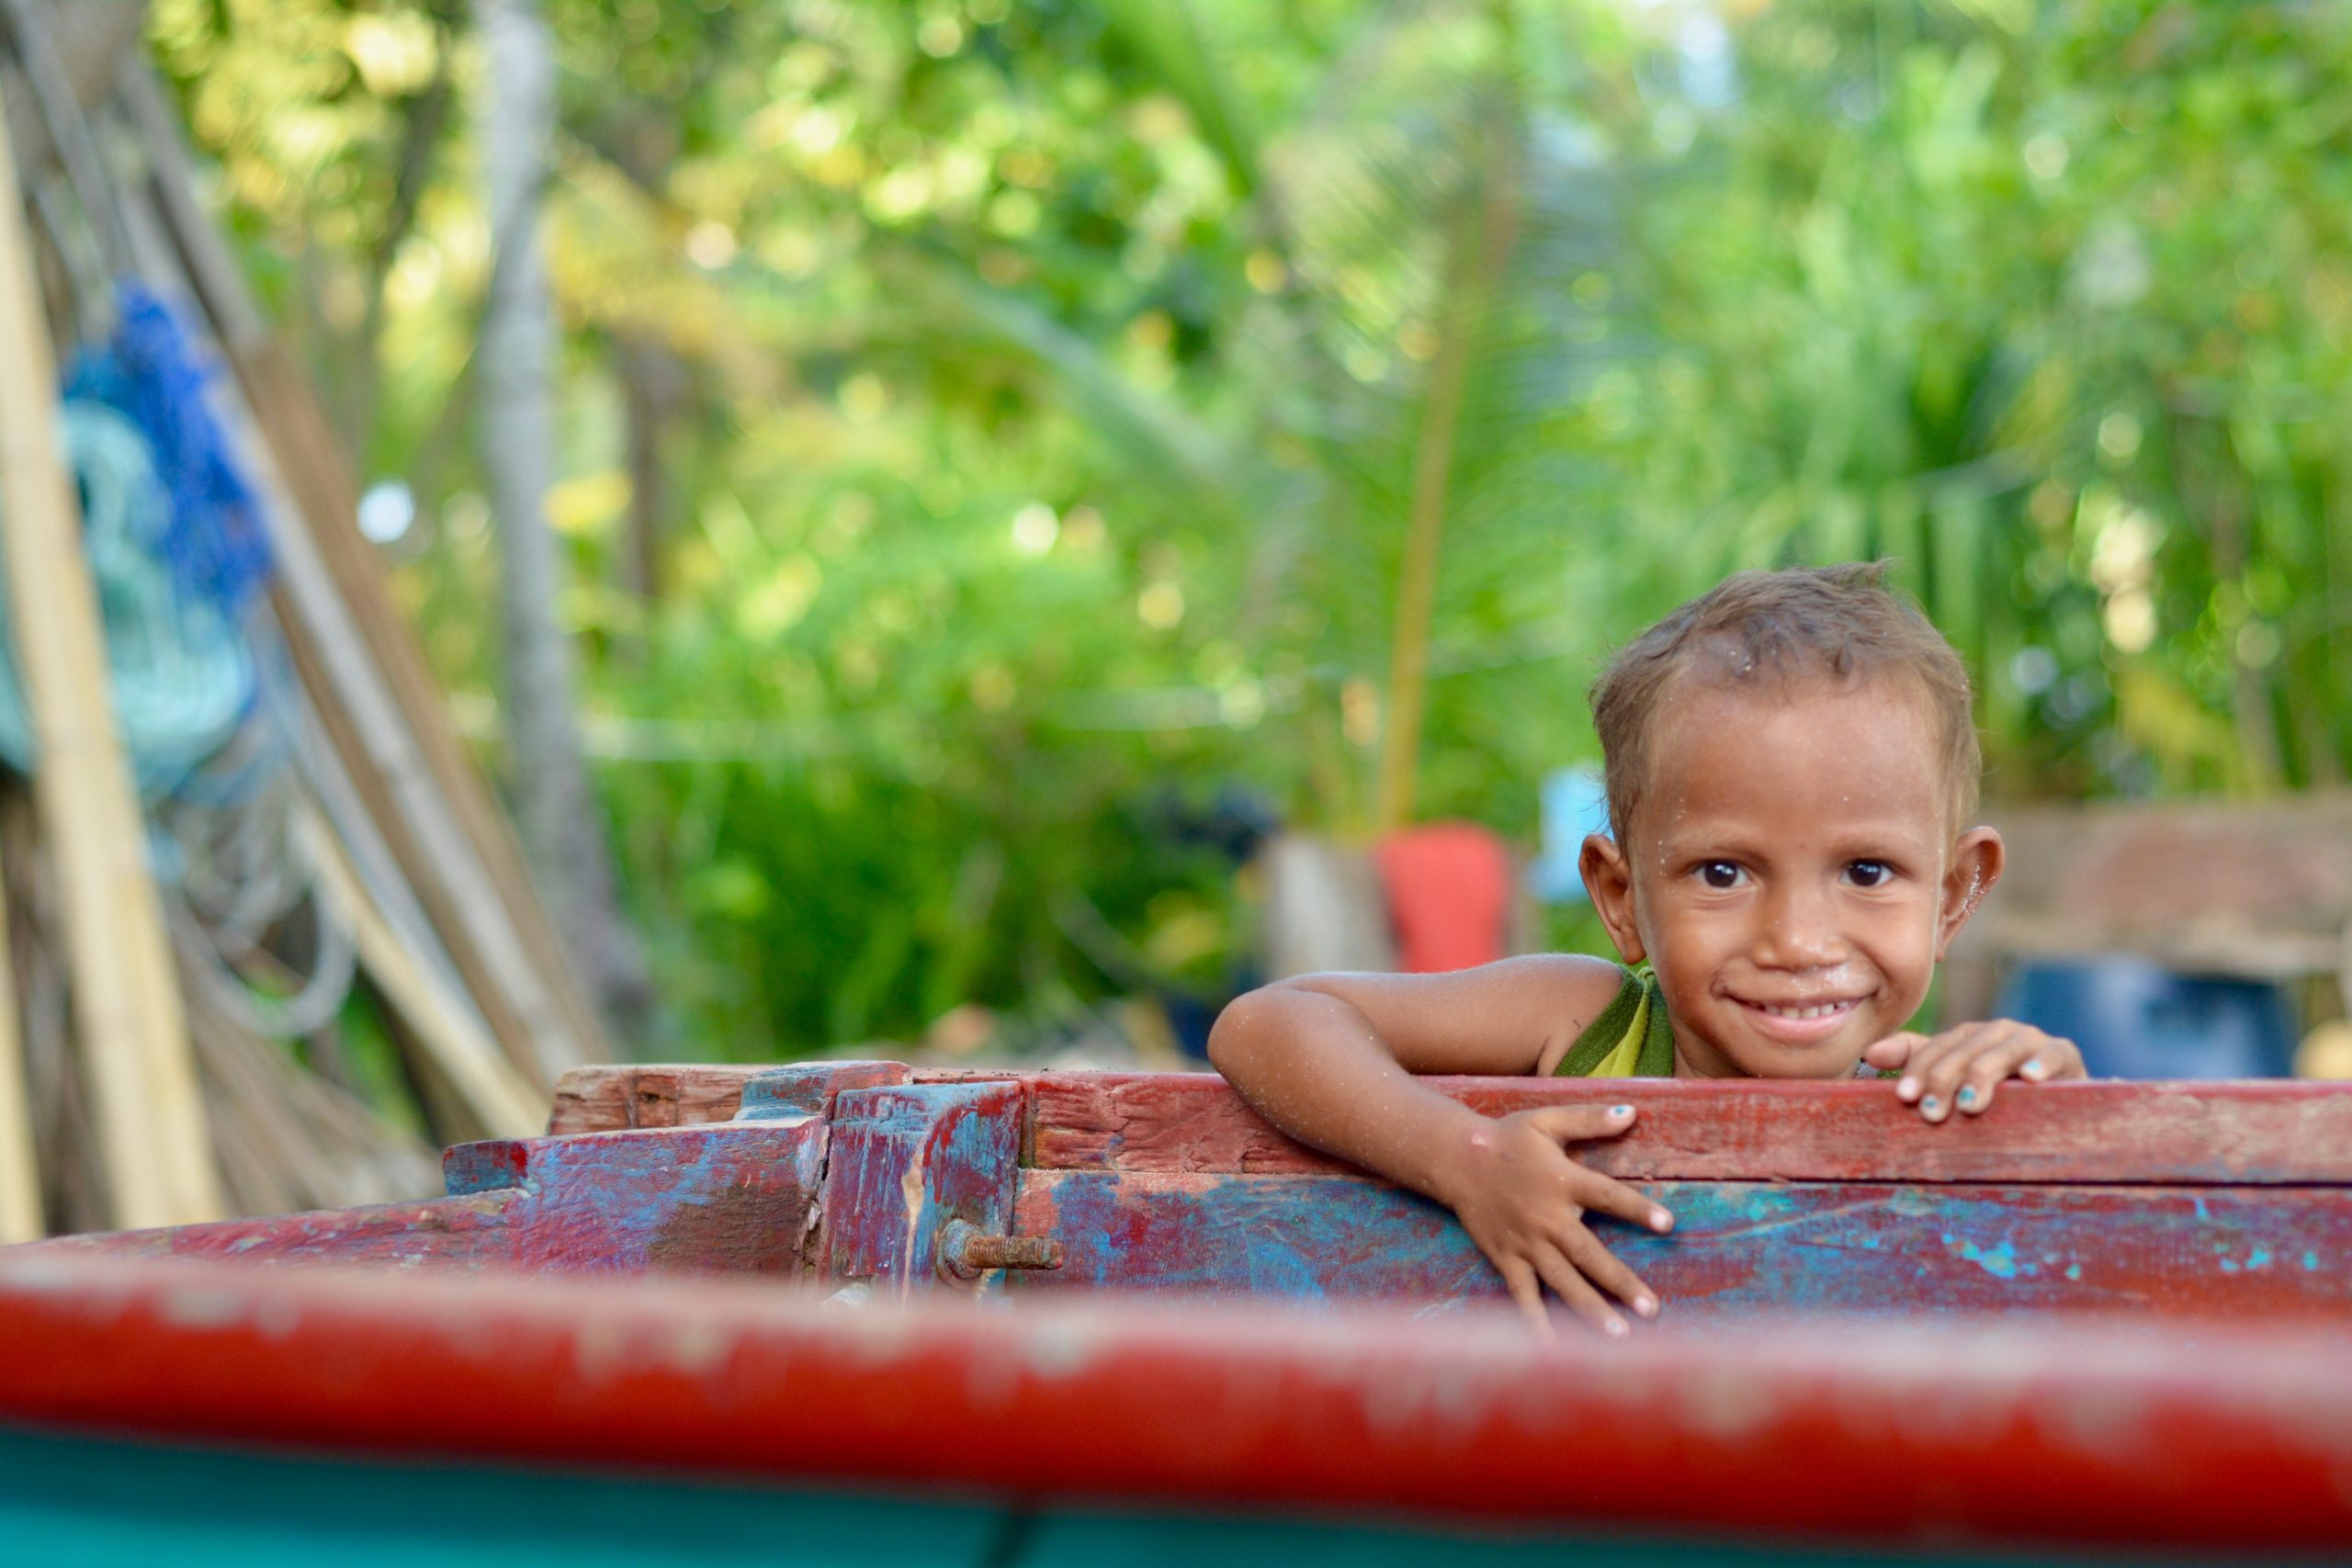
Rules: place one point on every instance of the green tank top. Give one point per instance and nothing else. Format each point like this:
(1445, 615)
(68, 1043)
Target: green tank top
(1632, 1038)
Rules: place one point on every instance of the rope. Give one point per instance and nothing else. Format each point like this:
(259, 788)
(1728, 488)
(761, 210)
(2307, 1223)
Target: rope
(171, 533)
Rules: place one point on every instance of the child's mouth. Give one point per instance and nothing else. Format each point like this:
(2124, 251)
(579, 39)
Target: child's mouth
(1798, 1023)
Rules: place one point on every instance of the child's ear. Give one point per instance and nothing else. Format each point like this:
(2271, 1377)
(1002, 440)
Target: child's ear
(1976, 862)
(1609, 880)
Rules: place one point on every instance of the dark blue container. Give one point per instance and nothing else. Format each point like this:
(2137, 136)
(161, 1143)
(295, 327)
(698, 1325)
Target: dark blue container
(2134, 1019)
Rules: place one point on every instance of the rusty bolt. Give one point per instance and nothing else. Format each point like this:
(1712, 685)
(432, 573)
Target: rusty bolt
(965, 1251)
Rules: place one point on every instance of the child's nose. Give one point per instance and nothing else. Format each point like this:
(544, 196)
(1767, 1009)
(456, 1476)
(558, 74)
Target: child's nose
(1800, 931)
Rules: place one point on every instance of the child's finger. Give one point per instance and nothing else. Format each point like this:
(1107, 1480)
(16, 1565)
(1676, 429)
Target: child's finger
(1951, 1056)
(1987, 1068)
(1580, 1124)
(1520, 1280)
(1599, 1194)
(1606, 1270)
(1575, 1290)
(1895, 1051)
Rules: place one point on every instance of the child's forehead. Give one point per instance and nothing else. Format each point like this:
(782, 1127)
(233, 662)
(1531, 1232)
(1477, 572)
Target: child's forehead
(1798, 736)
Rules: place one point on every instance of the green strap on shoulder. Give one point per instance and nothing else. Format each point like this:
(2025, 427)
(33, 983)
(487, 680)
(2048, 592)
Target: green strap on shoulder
(1626, 1011)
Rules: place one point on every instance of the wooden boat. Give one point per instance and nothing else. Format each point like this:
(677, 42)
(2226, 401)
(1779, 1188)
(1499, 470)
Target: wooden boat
(724, 1313)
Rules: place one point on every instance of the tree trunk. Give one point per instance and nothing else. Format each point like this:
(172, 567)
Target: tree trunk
(653, 387)
(563, 827)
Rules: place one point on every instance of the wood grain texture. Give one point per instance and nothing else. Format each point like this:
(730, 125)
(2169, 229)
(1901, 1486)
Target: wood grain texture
(610, 1099)
(2106, 1132)
(601, 1098)
(1739, 1250)
(1890, 1440)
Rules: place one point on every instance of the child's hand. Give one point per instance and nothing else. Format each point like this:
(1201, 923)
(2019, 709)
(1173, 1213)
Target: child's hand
(1960, 1066)
(1523, 1201)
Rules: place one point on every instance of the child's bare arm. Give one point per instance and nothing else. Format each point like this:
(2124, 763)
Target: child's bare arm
(1329, 1059)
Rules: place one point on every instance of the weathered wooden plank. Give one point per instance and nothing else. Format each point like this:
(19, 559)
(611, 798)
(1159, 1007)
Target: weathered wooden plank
(1864, 1434)
(153, 1139)
(812, 1088)
(906, 1163)
(600, 1099)
(470, 1232)
(2142, 1132)
(732, 1199)
(1739, 1249)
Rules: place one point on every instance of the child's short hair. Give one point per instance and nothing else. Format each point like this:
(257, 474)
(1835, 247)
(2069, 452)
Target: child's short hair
(1841, 622)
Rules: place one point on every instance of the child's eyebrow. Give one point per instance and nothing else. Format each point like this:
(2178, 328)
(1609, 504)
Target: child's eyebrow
(1890, 838)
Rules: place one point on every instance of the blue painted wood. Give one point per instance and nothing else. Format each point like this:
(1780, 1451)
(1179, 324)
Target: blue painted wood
(905, 1162)
(808, 1088)
(77, 1503)
(1739, 1248)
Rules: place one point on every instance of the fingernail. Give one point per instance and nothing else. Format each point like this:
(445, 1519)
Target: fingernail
(1645, 1305)
(1621, 1110)
(1908, 1090)
(2033, 1069)
(1968, 1096)
(1616, 1327)
(1660, 1220)
(1931, 1108)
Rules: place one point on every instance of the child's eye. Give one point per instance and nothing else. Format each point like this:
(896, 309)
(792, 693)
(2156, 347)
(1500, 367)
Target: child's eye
(1719, 874)
(1870, 872)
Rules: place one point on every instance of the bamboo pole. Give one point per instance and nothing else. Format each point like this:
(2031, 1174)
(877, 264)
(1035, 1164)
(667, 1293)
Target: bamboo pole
(453, 845)
(20, 1217)
(505, 1101)
(153, 1140)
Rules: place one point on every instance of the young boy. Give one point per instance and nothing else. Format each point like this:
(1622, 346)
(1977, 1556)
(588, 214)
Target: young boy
(1790, 767)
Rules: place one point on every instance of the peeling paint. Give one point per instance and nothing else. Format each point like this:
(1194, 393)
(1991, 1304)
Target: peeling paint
(2000, 1261)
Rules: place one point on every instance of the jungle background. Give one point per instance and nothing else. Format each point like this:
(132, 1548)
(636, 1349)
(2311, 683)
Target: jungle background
(989, 433)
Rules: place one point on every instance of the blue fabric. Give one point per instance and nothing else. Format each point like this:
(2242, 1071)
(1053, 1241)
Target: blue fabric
(214, 541)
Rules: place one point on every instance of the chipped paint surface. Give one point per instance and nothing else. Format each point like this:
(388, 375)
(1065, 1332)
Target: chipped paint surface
(2154, 1133)
(1738, 1248)
(908, 1159)
(852, 1171)
(2192, 1437)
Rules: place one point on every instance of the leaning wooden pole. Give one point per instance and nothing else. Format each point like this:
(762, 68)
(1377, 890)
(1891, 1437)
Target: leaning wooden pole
(154, 1147)
(20, 1216)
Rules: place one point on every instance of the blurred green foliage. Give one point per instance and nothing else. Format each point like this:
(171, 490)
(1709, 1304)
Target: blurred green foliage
(1059, 384)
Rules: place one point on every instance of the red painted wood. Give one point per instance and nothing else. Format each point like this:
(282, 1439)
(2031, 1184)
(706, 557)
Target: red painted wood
(1868, 1436)
(2265, 1132)
(736, 1197)
(470, 1231)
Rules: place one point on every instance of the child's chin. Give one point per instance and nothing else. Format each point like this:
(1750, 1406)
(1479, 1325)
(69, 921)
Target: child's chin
(1829, 1058)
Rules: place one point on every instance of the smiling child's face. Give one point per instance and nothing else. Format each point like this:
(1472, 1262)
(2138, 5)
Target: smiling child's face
(1792, 872)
